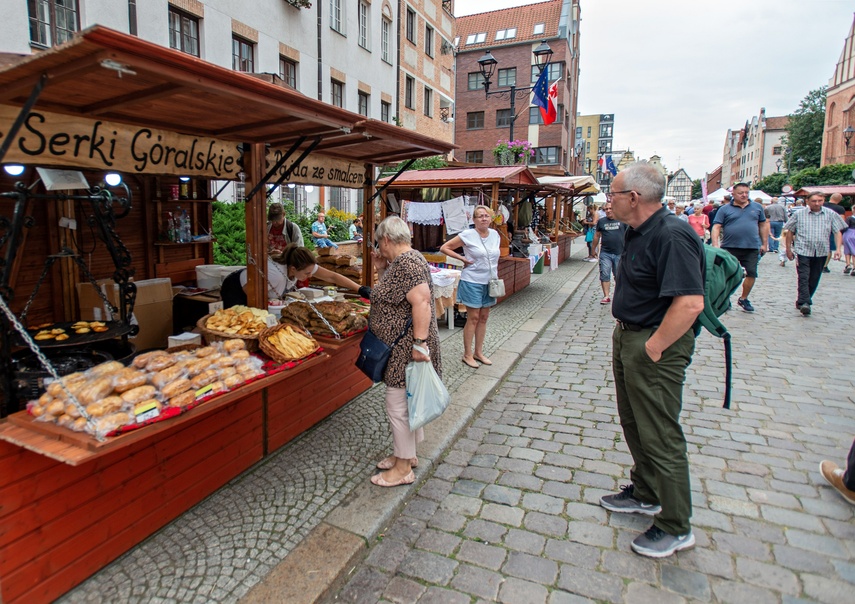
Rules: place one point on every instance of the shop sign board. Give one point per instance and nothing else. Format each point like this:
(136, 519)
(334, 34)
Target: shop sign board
(54, 139)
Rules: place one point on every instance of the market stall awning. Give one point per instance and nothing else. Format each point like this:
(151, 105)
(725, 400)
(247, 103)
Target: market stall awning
(577, 185)
(464, 177)
(106, 75)
(826, 190)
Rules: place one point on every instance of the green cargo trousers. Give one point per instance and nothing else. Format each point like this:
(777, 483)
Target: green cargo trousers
(649, 401)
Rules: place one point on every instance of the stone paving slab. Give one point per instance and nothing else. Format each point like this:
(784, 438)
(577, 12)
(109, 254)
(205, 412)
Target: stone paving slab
(243, 534)
(512, 506)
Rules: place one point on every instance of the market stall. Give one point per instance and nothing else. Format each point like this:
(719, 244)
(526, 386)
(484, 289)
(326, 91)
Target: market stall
(500, 187)
(70, 502)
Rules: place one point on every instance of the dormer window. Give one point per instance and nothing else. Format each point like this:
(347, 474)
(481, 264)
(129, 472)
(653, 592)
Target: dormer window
(476, 38)
(538, 28)
(506, 34)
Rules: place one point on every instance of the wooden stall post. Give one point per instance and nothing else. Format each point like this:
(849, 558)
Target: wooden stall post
(368, 226)
(494, 197)
(557, 215)
(256, 231)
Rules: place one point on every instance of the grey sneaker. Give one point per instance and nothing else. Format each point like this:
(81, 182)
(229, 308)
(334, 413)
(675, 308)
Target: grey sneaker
(656, 543)
(626, 503)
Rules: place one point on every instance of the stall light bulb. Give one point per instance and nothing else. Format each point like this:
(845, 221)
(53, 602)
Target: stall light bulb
(113, 179)
(291, 185)
(309, 188)
(14, 169)
(184, 178)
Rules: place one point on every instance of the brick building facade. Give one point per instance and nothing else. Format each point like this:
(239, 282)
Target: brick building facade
(840, 107)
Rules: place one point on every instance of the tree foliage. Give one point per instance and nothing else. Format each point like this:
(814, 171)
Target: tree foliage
(423, 163)
(833, 174)
(697, 192)
(804, 131)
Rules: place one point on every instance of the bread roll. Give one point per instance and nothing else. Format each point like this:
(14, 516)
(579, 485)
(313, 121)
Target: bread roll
(203, 379)
(95, 389)
(226, 372)
(128, 379)
(139, 394)
(168, 375)
(37, 410)
(64, 420)
(197, 367)
(225, 361)
(183, 399)
(175, 388)
(217, 386)
(79, 424)
(105, 368)
(72, 410)
(111, 404)
(108, 423)
(55, 409)
(159, 363)
(239, 354)
(234, 345)
(142, 360)
(205, 351)
(233, 380)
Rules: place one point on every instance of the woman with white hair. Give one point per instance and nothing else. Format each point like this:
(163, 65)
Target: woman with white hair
(403, 293)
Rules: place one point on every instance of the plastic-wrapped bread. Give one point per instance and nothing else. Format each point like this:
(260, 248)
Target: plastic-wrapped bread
(128, 379)
(231, 346)
(162, 378)
(175, 388)
(139, 394)
(183, 399)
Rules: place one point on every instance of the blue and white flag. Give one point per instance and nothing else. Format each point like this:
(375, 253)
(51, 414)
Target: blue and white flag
(610, 165)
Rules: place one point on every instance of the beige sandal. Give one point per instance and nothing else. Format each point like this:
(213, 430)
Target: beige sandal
(389, 463)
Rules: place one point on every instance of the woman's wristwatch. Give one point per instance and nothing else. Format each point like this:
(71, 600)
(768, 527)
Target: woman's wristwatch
(419, 341)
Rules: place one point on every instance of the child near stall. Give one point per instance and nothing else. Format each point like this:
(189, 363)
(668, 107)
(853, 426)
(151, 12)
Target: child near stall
(782, 246)
(849, 246)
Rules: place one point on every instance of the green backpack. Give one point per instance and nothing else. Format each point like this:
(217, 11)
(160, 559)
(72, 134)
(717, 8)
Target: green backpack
(723, 275)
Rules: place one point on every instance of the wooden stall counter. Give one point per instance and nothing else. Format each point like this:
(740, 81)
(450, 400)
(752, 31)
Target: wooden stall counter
(69, 505)
(516, 272)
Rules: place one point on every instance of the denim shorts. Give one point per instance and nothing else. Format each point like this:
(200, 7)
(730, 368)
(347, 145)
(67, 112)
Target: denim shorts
(608, 265)
(474, 295)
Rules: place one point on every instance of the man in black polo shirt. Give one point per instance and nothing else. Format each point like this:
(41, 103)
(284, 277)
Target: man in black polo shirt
(610, 232)
(659, 293)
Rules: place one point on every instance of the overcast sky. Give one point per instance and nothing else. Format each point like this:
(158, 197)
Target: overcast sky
(678, 73)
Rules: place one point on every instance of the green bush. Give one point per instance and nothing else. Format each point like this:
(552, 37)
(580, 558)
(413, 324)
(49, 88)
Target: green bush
(229, 223)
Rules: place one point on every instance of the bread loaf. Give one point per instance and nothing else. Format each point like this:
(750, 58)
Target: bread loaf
(128, 379)
(234, 345)
(203, 379)
(159, 363)
(170, 374)
(175, 388)
(183, 399)
(111, 422)
(105, 368)
(139, 394)
(142, 360)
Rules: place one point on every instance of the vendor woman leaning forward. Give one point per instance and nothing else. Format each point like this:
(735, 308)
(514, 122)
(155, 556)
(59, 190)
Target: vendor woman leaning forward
(284, 270)
(481, 259)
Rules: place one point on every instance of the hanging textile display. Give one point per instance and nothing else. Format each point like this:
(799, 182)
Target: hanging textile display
(454, 213)
(425, 213)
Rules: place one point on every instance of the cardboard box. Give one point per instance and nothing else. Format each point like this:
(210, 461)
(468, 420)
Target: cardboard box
(152, 309)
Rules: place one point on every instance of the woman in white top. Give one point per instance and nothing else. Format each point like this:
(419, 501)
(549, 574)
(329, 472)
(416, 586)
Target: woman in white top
(284, 270)
(481, 263)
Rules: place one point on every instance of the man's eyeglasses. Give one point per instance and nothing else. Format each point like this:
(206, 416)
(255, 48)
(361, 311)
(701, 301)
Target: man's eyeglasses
(613, 193)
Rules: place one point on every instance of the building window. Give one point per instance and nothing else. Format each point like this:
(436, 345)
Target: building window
(503, 118)
(578, 132)
(508, 77)
(476, 38)
(475, 120)
(475, 157)
(538, 28)
(337, 93)
(362, 17)
(297, 195)
(777, 150)
(555, 71)
(588, 148)
(288, 71)
(340, 198)
(589, 132)
(534, 116)
(363, 103)
(242, 55)
(546, 155)
(385, 111)
(429, 40)
(410, 93)
(428, 108)
(605, 130)
(52, 21)
(476, 81)
(506, 34)
(386, 40)
(183, 32)
(411, 25)
(336, 20)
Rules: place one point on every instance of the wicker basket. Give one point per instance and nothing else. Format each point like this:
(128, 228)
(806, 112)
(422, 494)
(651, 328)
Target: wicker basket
(212, 336)
(273, 352)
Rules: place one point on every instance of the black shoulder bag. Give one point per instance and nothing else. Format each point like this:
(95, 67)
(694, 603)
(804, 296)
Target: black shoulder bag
(374, 354)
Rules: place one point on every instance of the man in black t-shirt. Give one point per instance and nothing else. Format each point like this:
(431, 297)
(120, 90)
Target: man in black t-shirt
(659, 292)
(610, 233)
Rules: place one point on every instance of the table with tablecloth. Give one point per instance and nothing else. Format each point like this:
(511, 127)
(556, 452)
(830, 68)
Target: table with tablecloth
(445, 282)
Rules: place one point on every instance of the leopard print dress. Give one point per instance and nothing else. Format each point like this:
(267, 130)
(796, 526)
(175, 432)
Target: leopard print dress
(390, 312)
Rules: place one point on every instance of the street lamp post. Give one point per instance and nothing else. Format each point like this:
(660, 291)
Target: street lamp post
(779, 163)
(487, 65)
(847, 136)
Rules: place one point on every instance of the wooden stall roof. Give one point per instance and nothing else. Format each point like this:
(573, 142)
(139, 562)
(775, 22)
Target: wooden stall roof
(464, 177)
(826, 190)
(105, 74)
(574, 185)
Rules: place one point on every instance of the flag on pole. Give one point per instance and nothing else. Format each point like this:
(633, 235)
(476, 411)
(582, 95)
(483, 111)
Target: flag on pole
(601, 163)
(610, 165)
(551, 113)
(541, 95)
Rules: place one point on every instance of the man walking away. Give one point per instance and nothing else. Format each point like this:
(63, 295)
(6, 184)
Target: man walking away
(808, 233)
(776, 214)
(746, 233)
(659, 292)
(611, 233)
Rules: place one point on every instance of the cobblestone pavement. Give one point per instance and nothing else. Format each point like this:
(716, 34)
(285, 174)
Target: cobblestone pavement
(511, 512)
(220, 549)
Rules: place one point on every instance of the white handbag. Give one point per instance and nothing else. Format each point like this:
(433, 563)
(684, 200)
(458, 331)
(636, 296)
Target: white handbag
(496, 286)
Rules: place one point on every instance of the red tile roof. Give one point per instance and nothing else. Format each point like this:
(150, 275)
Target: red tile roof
(523, 18)
(517, 174)
(777, 123)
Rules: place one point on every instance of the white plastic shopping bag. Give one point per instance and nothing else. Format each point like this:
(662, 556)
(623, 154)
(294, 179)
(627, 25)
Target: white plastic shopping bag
(427, 396)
